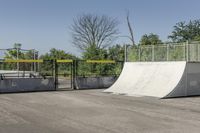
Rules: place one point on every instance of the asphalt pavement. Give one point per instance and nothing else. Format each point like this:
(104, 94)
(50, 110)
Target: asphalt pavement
(92, 111)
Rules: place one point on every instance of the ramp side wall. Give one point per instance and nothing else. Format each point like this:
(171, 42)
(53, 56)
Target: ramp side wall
(189, 85)
(193, 79)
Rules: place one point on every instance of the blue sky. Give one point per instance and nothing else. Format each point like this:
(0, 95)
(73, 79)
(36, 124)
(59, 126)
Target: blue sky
(44, 24)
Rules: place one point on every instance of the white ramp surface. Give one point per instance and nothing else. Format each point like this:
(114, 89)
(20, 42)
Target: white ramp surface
(157, 79)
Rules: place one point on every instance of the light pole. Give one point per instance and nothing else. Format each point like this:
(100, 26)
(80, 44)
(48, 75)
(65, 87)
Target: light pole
(34, 58)
(17, 46)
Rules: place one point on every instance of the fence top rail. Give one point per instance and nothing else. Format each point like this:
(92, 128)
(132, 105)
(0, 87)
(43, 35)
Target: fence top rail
(161, 45)
(22, 61)
(64, 61)
(101, 61)
(58, 61)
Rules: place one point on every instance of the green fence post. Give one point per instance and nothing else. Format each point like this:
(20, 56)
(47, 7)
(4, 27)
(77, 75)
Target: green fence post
(187, 51)
(74, 73)
(152, 52)
(167, 52)
(71, 74)
(55, 73)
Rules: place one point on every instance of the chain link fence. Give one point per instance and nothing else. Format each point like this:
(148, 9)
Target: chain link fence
(44, 69)
(188, 51)
(98, 68)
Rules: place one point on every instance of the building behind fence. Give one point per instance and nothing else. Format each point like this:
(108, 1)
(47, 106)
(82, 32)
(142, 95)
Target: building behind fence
(187, 51)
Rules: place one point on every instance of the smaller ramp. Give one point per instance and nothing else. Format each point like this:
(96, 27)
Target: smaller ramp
(158, 79)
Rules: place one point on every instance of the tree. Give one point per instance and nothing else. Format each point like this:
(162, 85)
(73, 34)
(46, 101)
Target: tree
(57, 54)
(93, 31)
(63, 68)
(146, 52)
(197, 38)
(94, 53)
(151, 39)
(116, 52)
(186, 31)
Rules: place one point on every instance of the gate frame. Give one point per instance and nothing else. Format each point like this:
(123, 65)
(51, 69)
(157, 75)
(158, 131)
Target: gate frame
(56, 62)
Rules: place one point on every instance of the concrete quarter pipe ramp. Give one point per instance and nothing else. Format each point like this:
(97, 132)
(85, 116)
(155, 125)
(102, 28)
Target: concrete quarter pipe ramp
(158, 79)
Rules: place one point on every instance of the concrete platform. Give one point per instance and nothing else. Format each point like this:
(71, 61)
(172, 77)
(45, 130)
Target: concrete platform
(13, 85)
(91, 111)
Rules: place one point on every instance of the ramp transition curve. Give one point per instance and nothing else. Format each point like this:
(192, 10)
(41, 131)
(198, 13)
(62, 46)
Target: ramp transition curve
(158, 79)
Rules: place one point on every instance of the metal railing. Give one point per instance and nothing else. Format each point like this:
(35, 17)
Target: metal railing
(188, 51)
(64, 72)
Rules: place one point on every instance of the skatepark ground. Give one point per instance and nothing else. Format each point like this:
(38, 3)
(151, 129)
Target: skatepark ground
(92, 111)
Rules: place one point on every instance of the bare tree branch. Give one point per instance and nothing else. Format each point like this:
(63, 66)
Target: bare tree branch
(130, 29)
(92, 30)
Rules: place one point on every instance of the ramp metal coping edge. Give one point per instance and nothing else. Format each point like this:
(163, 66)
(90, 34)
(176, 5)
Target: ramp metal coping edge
(100, 61)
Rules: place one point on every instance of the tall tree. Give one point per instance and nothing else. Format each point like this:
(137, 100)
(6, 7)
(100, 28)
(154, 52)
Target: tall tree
(93, 31)
(186, 31)
(94, 53)
(151, 39)
(116, 52)
(57, 54)
(63, 68)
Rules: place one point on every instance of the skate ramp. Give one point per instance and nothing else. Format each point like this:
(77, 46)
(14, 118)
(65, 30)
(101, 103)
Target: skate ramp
(158, 79)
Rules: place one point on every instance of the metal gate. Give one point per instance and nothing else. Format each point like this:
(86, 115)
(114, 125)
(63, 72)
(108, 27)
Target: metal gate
(64, 74)
(96, 74)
